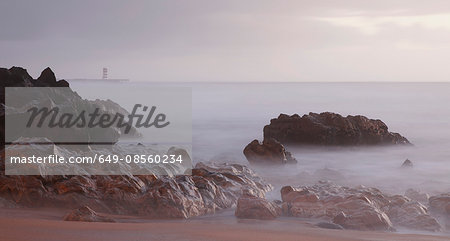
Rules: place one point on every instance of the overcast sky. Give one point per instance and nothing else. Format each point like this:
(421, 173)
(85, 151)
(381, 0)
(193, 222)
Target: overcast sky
(244, 40)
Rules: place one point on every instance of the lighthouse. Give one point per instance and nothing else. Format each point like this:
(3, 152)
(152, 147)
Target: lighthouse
(105, 74)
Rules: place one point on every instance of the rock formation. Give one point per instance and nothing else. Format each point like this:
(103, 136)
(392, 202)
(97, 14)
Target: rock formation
(356, 208)
(64, 98)
(86, 214)
(210, 188)
(270, 151)
(252, 207)
(331, 129)
(407, 164)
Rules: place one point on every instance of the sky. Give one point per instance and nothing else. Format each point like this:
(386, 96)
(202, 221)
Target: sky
(230, 41)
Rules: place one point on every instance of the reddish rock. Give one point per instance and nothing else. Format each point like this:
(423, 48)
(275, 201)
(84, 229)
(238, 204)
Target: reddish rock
(256, 208)
(211, 187)
(356, 208)
(86, 214)
(411, 214)
(331, 129)
(270, 151)
(365, 220)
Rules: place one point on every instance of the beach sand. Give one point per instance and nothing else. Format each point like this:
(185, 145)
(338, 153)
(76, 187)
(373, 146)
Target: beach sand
(47, 224)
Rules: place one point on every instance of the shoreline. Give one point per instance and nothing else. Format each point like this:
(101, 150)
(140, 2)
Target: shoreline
(47, 224)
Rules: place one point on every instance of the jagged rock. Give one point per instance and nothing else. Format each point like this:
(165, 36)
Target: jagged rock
(67, 100)
(47, 78)
(407, 164)
(356, 208)
(208, 189)
(269, 151)
(411, 214)
(251, 207)
(86, 214)
(330, 129)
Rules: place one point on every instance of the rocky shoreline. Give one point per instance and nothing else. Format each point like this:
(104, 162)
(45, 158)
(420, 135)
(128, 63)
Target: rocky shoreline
(213, 187)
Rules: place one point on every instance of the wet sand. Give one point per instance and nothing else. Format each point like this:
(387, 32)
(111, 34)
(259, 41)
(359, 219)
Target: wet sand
(46, 224)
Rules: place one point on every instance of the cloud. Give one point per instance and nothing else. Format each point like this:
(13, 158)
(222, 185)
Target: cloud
(374, 25)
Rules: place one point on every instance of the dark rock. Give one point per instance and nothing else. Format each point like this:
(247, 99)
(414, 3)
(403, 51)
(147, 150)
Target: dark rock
(68, 101)
(268, 152)
(331, 129)
(47, 78)
(407, 164)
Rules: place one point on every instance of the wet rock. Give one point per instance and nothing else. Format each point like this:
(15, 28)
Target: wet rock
(7, 203)
(411, 214)
(208, 189)
(407, 164)
(366, 220)
(358, 208)
(328, 225)
(440, 204)
(86, 214)
(269, 151)
(417, 196)
(331, 129)
(256, 208)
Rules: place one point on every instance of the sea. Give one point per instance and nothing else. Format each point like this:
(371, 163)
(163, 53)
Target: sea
(228, 116)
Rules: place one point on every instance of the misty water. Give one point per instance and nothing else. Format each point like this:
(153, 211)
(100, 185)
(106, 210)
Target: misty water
(227, 116)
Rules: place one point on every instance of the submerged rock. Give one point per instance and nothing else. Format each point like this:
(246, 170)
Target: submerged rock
(417, 196)
(86, 214)
(441, 204)
(356, 208)
(270, 151)
(331, 129)
(407, 164)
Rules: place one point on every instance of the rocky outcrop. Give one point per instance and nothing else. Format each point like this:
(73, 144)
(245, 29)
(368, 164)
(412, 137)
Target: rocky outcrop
(64, 98)
(270, 151)
(208, 189)
(251, 207)
(19, 77)
(331, 129)
(86, 214)
(356, 208)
